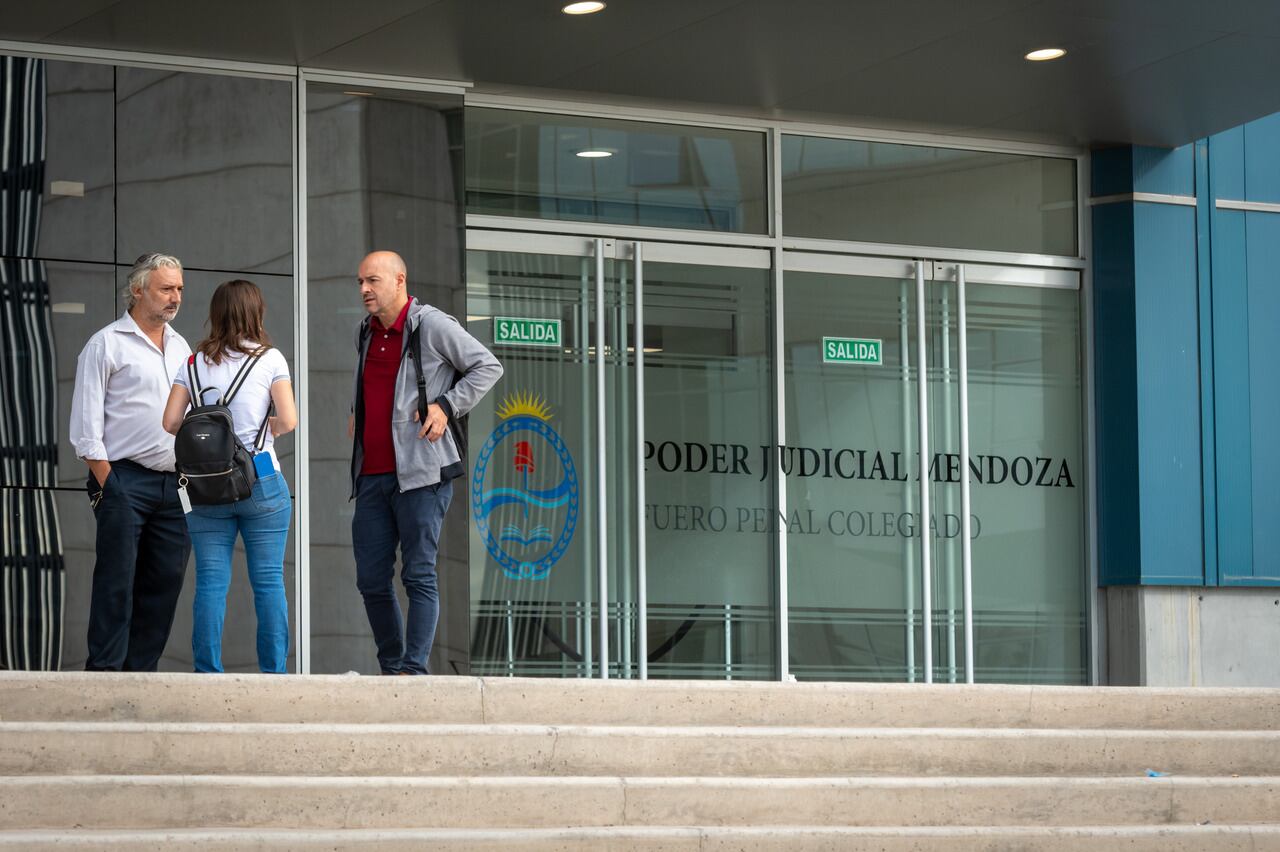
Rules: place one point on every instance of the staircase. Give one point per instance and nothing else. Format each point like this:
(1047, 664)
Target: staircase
(91, 761)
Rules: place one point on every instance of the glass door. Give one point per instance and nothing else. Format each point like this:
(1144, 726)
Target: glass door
(914, 552)
(621, 357)
(706, 566)
(540, 555)
(925, 491)
(1026, 476)
(853, 338)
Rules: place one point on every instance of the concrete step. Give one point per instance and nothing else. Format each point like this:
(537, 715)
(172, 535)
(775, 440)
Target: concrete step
(30, 696)
(48, 748)
(1182, 838)
(309, 803)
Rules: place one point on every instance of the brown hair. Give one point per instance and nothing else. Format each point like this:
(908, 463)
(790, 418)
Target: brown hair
(235, 318)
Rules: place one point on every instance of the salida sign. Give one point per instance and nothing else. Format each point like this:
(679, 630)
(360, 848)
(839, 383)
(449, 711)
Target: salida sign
(852, 464)
(852, 350)
(525, 331)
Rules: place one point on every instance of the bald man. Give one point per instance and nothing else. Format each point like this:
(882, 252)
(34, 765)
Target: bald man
(404, 454)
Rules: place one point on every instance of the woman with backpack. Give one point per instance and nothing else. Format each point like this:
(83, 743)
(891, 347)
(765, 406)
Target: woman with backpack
(237, 365)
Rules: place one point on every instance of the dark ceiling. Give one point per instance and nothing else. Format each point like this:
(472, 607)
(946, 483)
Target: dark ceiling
(1157, 72)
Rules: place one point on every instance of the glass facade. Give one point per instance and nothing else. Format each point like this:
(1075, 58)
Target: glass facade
(912, 195)
(103, 163)
(721, 427)
(604, 170)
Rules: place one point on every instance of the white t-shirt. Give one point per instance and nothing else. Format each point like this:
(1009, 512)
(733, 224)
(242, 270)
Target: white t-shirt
(252, 400)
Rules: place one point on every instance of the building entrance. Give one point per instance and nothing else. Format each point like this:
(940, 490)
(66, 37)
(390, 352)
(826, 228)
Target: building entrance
(933, 469)
(741, 485)
(620, 357)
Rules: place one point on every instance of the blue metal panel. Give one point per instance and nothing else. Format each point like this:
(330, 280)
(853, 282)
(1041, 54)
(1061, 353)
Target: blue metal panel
(1166, 306)
(1164, 170)
(1111, 171)
(1204, 276)
(1226, 163)
(1231, 394)
(1261, 160)
(1262, 243)
(1115, 395)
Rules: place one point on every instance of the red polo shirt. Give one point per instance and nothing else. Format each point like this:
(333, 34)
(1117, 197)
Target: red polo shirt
(381, 364)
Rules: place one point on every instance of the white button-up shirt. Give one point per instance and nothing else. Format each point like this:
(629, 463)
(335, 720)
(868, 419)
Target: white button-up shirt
(122, 384)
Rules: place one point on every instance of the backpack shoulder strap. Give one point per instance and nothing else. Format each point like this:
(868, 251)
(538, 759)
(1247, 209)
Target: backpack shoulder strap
(415, 355)
(238, 381)
(260, 441)
(456, 425)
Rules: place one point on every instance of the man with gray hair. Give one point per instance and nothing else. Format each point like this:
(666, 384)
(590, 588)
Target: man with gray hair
(123, 376)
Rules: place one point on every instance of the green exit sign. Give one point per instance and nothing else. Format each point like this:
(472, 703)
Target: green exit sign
(523, 331)
(852, 350)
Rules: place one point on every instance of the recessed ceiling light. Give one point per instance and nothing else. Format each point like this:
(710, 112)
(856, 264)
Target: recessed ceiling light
(595, 153)
(1044, 54)
(585, 8)
(359, 94)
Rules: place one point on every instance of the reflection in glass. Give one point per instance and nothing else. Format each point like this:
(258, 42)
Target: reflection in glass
(78, 212)
(82, 300)
(32, 561)
(842, 189)
(383, 172)
(621, 172)
(205, 169)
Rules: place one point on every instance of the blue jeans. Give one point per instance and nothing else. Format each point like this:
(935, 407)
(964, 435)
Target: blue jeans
(385, 517)
(262, 519)
(142, 550)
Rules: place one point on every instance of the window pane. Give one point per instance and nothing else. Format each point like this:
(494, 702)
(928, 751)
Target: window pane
(205, 169)
(77, 214)
(382, 173)
(1025, 422)
(534, 590)
(708, 411)
(663, 175)
(852, 525)
(841, 189)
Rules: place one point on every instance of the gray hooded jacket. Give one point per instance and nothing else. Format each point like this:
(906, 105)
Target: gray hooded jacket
(458, 371)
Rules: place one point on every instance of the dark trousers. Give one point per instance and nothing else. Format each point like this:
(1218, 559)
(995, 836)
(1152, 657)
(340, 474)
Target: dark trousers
(142, 558)
(386, 517)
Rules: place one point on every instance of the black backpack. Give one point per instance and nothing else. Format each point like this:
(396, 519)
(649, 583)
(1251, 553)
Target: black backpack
(213, 465)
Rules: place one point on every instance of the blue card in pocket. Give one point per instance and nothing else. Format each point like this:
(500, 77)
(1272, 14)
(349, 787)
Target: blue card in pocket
(262, 465)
